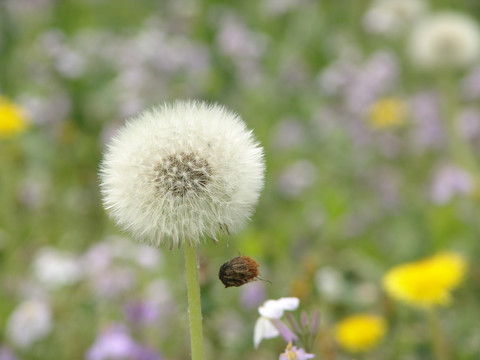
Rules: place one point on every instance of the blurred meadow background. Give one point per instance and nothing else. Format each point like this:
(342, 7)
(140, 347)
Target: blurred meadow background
(370, 131)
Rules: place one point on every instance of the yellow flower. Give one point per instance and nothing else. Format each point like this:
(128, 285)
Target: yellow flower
(387, 113)
(13, 119)
(426, 282)
(360, 332)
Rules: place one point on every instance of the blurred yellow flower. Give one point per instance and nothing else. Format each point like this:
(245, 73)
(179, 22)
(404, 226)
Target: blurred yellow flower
(387, 113)
(361, 332)
(426, 282)
(13, 119)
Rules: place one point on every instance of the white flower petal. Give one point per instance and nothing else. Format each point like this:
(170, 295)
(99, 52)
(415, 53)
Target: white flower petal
(264, 329)
(274, 309)
(55, 268)
(445, 39)
(30, 321)
(288, 303)
(271, 309)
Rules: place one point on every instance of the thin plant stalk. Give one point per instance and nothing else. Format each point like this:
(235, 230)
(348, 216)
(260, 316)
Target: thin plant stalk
(194, 303)
(438, 341)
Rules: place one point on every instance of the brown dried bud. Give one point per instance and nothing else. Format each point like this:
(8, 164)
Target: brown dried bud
(238, 271)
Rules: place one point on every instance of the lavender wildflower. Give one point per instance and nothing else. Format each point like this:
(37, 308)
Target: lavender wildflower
(294, 353)
(115, 343)
(449, 181)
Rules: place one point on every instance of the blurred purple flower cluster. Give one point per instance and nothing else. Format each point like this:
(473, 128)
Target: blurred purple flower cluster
(107, 271)
(115, 342)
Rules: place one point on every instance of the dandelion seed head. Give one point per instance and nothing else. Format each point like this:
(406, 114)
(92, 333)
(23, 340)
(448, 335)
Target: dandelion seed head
(182, 172)
(392, 17)
(447, 39)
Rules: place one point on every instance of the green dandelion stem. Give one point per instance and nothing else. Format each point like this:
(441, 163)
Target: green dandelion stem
(438, 340)
(194, 303)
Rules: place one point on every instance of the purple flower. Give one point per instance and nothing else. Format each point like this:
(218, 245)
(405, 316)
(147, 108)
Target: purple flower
(377, 76)
(387, 184)
(283, 330)
(236, 40)
(296, 178)
(49, 110)
(335, 79)
(280, 7)
(32, 193)
(244, 46)
(7, 354)
(116, 343)
(449, 181)
(471, 85)
(144, 353)
(113, 282)
(288, 134)
(97, 258)
(38, 8)
(253, 295)
(428, 128)
(469, 123)
(141, 312)
(293, 353)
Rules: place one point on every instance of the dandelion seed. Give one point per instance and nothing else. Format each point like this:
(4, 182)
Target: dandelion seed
(182, 172)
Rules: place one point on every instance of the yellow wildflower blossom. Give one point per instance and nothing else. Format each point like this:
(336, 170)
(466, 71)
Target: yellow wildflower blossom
(13, 119)
(361, 332)
(426, 282)
(387, 113)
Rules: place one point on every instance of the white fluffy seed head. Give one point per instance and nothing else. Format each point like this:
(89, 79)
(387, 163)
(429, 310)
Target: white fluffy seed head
(392, 17)
(182, 172)
(447, 39)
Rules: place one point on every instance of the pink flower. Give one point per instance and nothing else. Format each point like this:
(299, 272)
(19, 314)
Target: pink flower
(115, 343)
(293, 353)
(449, 181)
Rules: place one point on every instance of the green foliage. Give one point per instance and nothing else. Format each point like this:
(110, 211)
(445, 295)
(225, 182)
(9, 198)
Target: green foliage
(338, 193)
